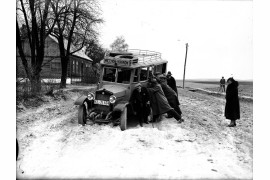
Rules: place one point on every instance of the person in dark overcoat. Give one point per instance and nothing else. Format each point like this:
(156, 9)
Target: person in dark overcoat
(170, 95)
(222, 84)
(158, 101)
(232, 107)
(17, 149)
(139, 101)
(171, 82)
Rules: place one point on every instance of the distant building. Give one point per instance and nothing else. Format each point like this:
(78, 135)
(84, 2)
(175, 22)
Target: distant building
(79, 67)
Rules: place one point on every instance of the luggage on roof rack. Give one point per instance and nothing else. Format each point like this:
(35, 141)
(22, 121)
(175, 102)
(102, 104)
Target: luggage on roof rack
(132, 56)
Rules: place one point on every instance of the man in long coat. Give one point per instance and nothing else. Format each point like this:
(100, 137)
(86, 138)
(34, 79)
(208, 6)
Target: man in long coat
(170, 95)
(159, 102)
(232, 107)
(171, 82)
(139, 101)
(222, 84)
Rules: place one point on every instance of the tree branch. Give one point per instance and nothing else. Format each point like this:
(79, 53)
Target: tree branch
(22, 55)
(26, 23)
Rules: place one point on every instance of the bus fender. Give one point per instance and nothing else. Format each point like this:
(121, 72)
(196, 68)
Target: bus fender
(120, 106)
(80, 100)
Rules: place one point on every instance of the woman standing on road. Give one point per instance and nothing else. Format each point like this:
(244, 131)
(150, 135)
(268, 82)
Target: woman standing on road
(232, 107)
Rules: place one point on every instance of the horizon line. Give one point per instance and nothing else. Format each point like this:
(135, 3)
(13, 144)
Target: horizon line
(201, 79)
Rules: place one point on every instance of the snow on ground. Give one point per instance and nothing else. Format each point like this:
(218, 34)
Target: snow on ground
(54, 145)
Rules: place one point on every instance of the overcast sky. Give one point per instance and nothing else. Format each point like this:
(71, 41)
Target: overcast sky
(219, 33)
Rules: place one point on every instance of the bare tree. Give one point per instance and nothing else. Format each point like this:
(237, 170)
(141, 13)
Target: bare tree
(119, 44)
(33, 14)
(75, 24)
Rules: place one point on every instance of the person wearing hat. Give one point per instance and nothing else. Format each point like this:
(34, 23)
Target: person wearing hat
(158, 101)
(170, 95)
(232, 106)
(222, 84)
(139, 101)
(171, 82)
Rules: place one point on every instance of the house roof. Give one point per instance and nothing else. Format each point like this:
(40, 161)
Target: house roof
(79, 53)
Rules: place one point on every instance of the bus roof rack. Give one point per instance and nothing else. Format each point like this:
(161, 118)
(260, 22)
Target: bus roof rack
(133, 58)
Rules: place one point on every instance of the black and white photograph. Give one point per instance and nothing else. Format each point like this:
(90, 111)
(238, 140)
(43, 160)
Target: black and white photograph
(133, 89)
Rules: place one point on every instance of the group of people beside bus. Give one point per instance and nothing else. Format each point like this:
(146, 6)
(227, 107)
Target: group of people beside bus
(160, 95)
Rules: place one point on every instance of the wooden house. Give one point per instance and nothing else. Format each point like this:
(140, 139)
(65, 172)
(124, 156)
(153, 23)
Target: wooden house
(79, 66)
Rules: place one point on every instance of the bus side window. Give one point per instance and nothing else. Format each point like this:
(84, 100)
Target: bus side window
(159, 69)
(164, 67)
(124, 76)
(143, 74)
(136, 75)
(151, 71)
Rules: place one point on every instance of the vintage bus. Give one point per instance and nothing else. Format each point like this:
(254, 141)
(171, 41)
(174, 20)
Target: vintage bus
(120, 72)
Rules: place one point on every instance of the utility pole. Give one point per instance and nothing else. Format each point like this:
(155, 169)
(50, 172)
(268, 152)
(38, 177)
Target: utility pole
(185, 66)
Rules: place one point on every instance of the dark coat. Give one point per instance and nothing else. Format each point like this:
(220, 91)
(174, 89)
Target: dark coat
(222, 81)
(158, 101)
(172, 83)
(170, 94)
(139, 101)
(232, 107)
(171, 97)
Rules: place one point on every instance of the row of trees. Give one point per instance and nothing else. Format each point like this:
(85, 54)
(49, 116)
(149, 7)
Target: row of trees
(72, 22)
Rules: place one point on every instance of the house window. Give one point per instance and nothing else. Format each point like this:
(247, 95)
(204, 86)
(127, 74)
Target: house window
(77, 67)
(73, 66)
(81, 69)
(56, 66)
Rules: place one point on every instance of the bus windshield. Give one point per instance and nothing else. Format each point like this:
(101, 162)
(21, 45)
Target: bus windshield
(122, 77)
(109, 74)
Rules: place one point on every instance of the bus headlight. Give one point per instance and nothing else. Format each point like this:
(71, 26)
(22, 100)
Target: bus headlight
(112, 99)
(90, 96)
